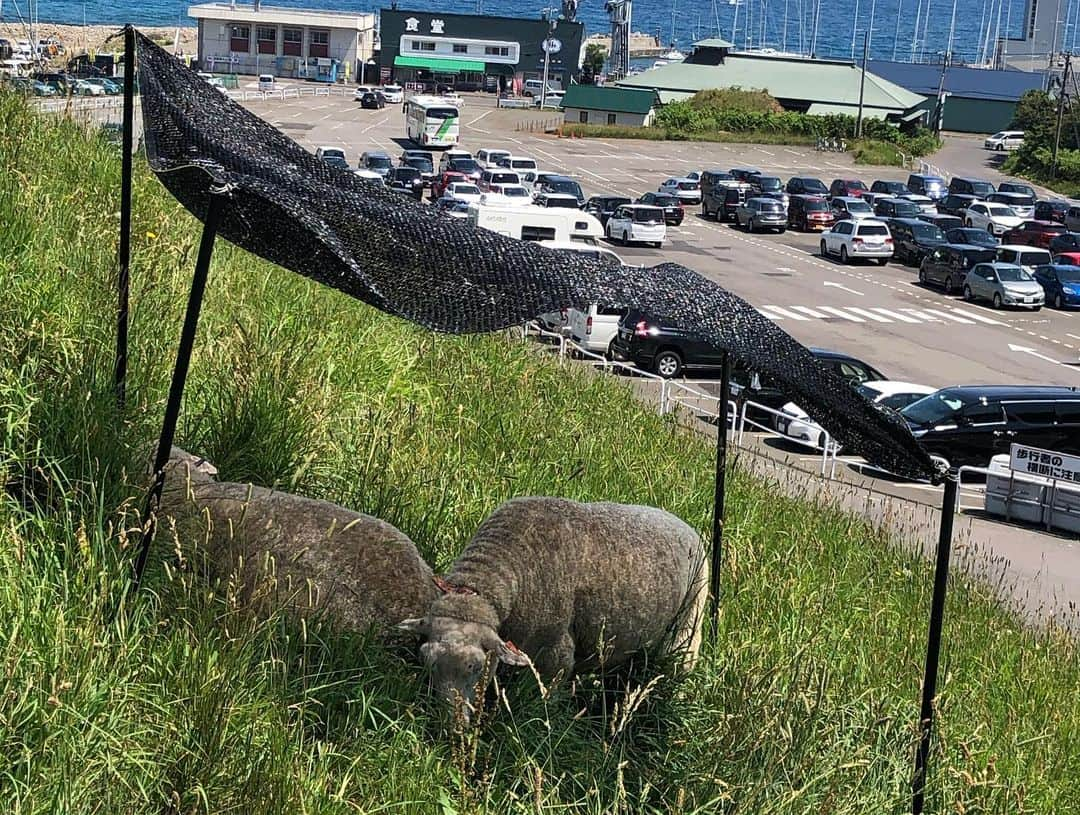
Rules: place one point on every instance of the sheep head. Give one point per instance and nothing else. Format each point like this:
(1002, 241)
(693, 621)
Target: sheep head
(459, 655)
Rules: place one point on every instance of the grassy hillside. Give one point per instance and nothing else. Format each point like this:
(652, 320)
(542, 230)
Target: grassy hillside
(804, 703)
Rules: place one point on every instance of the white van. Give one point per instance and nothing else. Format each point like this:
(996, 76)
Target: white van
(594, 330)
(267, 82)
(489, 158)
(532, 223)
(1026, 257)
(535, 87)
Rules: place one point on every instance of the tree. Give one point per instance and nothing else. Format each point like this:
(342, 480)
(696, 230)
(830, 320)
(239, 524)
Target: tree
(593, 66)
(1035, 114)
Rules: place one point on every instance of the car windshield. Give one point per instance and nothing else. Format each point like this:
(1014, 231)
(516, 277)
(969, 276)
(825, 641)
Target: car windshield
(873, 229)
(1023, 189)
(817, 206)
(565, 185)
(982, 188)
(768, 184)
(895, 186)
(379, 162)
(688, 185)
(465, 189)
(511, 191)
(336, 161)
(495, 156)
(333, 153)
(444, 113)
(643, 215)
(1001, 212)
(1013, 274)
(936, 408)
(421, 164)
(928, 232)
(858, 206)
(975, 236)
(463, 165)
(523, 164)
(666, 201)
(998, 135)
(814, 185)
(906, 209)
(407, 173)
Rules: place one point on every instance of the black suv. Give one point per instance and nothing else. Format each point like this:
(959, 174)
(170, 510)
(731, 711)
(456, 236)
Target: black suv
(714, 180)
(971, 186)
(672, 206)
(973, 237)
(956, 204)
(896, 208)
(723, 202)
(947, 265)
(407, 180)
(653, 346)
(914, 239)
(603, 206)
(890, 187)
(968, 425)
(1065, 242)
(804, 185)
(942, 222)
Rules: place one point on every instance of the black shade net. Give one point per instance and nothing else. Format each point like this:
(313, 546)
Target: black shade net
(410, 261)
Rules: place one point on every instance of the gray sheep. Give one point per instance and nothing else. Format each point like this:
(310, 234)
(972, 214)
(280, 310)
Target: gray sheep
(572, 587)
(311, 556)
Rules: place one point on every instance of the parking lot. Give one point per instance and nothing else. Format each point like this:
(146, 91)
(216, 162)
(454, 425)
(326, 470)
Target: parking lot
(879, 314)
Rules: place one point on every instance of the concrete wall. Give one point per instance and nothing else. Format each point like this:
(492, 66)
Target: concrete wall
(600, 117)
(346, 46)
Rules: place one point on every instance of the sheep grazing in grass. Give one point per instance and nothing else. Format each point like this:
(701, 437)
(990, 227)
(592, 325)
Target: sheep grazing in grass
(570, 587)
(311, 556)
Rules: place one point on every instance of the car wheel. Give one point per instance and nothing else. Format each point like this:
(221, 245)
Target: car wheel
(967, 294)
(882, 261)
(1037, 308)
(1058, 302)
(824, 249)
(750, 224)
(668, 364)
(704, 211)
(997, 300)
(844, 255)
(782, 230)
(948, 285)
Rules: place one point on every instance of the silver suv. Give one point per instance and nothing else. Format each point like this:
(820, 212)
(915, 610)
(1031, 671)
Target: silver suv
(761, 213)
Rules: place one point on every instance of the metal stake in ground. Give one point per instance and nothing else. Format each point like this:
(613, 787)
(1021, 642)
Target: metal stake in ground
(933, 645)
(718, 497)
(179, 377)
(124, 254)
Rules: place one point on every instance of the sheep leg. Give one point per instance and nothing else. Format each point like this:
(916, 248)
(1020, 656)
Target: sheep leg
(556, 661)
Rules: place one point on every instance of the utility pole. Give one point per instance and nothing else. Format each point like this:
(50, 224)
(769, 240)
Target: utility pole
(552, 23)
(1060, 114)
(862, 83)
(939, 117)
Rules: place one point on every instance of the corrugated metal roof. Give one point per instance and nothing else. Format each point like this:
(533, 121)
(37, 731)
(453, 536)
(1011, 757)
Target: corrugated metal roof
(713, 42)
(667, 97)
(960, 80)
(614, 99)
(822, 109)
(835, 83)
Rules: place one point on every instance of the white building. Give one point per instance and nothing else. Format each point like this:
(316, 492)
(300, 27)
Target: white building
(299, 43)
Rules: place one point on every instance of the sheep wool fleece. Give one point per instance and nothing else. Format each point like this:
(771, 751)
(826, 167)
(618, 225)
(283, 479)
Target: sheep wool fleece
(581, 586)
(312, 556)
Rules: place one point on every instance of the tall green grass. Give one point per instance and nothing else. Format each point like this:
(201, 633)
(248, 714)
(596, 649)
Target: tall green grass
(804, 702)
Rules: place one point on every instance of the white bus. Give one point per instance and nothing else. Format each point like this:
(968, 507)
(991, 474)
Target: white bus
(532, 223)
(431, 121)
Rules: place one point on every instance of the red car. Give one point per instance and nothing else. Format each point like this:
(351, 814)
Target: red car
(847, 188)
(1067, 259)
(1033, 233)
(439, 185)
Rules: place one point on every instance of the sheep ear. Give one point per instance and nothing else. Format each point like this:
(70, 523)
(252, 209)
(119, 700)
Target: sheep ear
(414, 625)
(512, 655)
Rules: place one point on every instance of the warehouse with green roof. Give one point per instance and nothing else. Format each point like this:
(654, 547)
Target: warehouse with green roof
(799, 84)
(608, 105)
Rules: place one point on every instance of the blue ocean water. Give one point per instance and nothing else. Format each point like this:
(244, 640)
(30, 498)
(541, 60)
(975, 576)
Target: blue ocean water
(901, 29)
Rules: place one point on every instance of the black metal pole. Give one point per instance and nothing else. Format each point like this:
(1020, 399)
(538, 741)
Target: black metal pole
(718, 497)
(179, 378)
(124, 255)
(933, 645)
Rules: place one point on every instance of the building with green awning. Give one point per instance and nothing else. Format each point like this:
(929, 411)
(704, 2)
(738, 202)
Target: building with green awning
(475, 52)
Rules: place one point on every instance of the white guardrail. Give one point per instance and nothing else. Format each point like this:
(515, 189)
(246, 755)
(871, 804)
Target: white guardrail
(673, 394)
(1026, 497)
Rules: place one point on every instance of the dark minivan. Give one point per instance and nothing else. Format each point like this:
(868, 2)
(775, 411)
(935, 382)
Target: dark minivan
(971, 186)
(947, 265)
(970, 424)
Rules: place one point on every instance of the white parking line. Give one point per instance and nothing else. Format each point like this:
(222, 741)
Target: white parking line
(971, 315)
(783, 312)
(478, 118)
(869, 314)
(946, 315)
(809, 312)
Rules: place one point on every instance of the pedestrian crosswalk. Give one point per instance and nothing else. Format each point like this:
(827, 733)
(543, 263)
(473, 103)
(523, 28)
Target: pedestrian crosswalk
(876, 314)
